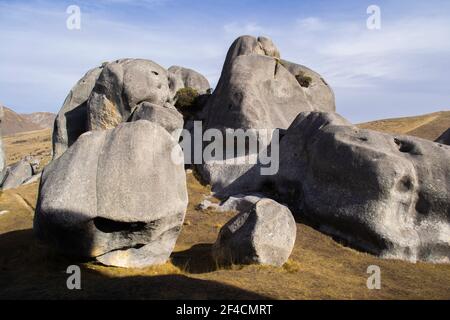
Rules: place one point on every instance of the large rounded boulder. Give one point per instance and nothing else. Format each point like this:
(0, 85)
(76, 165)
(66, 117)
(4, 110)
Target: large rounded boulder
(180, 78)
(385, 194)
(115, 197)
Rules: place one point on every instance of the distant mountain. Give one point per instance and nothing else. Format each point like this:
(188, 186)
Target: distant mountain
(43, 119)
(429, 126)
(15, 123)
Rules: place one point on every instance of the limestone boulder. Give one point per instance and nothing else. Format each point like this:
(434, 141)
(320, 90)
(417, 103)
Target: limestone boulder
(114, 196)
(16, 174)
(121, 87)
(166, 116)
(263, 234)
(385, 194)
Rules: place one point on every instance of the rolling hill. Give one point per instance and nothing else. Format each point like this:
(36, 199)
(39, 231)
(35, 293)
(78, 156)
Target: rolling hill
(429, 126)
(14, 123)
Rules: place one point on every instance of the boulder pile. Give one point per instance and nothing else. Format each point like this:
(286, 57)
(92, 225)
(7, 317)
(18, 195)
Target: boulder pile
(114, 192)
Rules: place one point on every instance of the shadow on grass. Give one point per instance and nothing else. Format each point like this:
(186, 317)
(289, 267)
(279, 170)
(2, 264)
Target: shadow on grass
(29, 270)
(197, 259)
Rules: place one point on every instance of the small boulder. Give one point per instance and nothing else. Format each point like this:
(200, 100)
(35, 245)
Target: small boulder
(16, 174)
(166, 116)
(263, 234)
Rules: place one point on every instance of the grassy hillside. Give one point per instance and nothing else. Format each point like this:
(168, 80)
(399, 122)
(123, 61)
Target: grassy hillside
(428, 126)
(35, 143)
(319, 267)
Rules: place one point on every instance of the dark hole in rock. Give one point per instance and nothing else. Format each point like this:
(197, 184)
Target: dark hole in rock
(404, 146)
(303, 80)
(109, 226)
(405, 184)
(363, 138)
(155, 73)
(423, 206)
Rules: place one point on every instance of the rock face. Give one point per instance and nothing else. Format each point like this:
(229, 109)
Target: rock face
(121, 91)
(123, 85)
(385, 194)
(444, 138)
(264, 234)
(70, 122)
(180, 77)
(17, 174)
(115, 196)
(317, 91)
(166, 116)
(257, 90)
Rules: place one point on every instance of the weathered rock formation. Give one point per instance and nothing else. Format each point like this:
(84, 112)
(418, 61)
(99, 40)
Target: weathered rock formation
(120, 91)
(257, 90)
(115, 196)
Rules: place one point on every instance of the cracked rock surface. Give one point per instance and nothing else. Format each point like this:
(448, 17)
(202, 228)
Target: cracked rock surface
(115, 197)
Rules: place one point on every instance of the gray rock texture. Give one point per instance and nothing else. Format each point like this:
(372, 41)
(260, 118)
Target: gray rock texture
(385, 194)
(123, 85)
(263, 234)
(318, 92)
(166, 116)
(115, 196)
(70, 122)
(180, 77)
(257, 90)
(16, 174)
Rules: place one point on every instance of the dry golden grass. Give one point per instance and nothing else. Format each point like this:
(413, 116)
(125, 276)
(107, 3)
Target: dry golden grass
(34, 143)
(429, 126)
(319, 267)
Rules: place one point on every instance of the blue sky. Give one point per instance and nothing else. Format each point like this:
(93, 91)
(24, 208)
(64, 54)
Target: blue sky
(402, 69)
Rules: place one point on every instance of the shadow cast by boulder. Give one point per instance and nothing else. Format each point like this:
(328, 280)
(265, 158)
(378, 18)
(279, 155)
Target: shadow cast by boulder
(29, 270)
(198, 259)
